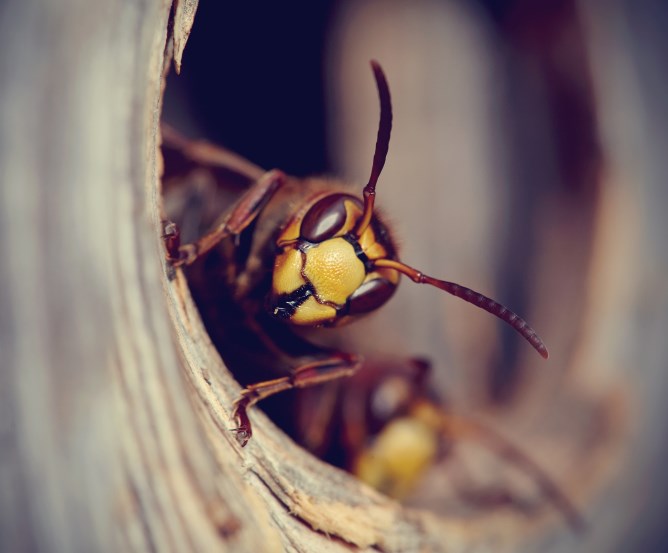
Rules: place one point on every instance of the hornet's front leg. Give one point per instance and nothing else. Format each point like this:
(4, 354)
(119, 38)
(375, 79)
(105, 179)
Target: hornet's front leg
(243, 214)
(337, 365)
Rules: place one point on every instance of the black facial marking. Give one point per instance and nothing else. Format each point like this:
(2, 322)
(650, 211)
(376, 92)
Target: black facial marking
(285, 305)
(359, 252)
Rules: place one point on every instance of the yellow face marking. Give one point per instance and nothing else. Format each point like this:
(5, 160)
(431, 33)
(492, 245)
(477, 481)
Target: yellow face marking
(397, 458)
(334, 270)
(291, 231)
(370, 245)
(368, 242)
(312, 313)
(287, 272)
(353, 213)
(328, 267)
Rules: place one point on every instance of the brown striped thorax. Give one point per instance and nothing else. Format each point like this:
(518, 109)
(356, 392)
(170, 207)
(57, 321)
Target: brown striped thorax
(324, 274)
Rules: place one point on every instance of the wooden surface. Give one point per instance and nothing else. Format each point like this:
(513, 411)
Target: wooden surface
(114, 408)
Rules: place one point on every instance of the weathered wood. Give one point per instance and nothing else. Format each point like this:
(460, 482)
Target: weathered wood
(102, 450)
(114, 407)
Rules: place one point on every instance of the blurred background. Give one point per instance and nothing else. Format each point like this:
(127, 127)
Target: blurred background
(527, 161)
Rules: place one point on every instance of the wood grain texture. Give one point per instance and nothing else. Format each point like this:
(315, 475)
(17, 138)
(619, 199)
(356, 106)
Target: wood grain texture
(115, 408)
(184, 17)
(101, 446)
